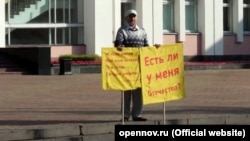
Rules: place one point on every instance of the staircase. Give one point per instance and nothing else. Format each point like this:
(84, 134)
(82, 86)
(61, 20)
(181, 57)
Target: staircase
(23, 11)
(19, 5)
(8, 66)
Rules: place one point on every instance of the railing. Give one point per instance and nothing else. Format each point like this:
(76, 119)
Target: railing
(17, 6)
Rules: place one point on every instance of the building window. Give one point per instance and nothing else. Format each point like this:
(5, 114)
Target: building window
(191, 15)
(246, 16)
(227, 16)
(44, 22)
(168, 16)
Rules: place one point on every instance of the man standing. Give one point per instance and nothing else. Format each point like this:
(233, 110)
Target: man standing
(131, 35)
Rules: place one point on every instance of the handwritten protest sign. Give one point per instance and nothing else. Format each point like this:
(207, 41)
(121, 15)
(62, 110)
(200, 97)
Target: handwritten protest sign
(159, 72)
(162, 73)
(120, 69)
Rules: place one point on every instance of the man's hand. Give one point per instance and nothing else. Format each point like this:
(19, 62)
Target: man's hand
(157, 45)
(120, 48)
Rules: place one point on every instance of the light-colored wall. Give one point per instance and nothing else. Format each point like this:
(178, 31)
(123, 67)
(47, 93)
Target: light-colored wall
(102, 20)
(98, 25)
(191, 46)
(210, 24)
(209, 40)
(104, 24)
(116, 17)
(2, 24)
(232, 47)
(150, 17)
(56, 51)
(170, 38)
(157, 23)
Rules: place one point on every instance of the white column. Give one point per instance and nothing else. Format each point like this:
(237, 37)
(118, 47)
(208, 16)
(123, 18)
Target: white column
(2, 24)
(157, 22)
(116, 17)
(218, 27)
(104, 24)
(180, 22)
(145, 17)
(202, 23)
(210, 24)
(238, 19)
(89, 26)
(80, 17)
(206, 26)
(98, 25)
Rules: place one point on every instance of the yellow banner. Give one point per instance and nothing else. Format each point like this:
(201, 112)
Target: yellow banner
(120, 69)
(162, 73)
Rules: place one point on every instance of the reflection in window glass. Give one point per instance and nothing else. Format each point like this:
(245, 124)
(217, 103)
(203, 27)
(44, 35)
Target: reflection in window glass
(69, 35)
(191, 19)
(168, 14)
(43, 22)
(227, 15)
(246, 15)
(66, 11)
(29, 36)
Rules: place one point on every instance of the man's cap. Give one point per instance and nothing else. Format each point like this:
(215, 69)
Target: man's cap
(131, 11)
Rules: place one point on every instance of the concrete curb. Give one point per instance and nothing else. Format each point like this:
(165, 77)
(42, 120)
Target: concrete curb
(79, 69)
(104, 131)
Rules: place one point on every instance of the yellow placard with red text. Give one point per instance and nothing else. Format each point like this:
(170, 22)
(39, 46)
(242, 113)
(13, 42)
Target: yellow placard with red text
(162, 73)
(159, 72)
(120, 69)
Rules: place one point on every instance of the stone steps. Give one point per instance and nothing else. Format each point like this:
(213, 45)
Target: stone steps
(94, 68)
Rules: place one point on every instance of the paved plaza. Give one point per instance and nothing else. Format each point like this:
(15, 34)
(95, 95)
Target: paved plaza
(29, 101)
(79, 98)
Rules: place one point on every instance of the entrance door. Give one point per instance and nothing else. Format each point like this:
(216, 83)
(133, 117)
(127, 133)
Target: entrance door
(126, 5)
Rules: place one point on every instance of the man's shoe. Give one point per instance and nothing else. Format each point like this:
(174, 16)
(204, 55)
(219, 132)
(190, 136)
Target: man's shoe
(139, 119)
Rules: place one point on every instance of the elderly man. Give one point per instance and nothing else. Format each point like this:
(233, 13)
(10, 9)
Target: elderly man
(131, 35)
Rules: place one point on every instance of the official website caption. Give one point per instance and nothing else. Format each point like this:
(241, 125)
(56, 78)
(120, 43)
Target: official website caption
(130, 132)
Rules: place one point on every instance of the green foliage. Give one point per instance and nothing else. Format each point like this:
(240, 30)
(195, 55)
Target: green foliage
(81, 57)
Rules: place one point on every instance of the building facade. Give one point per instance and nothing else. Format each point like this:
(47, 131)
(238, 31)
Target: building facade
(205, 27)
